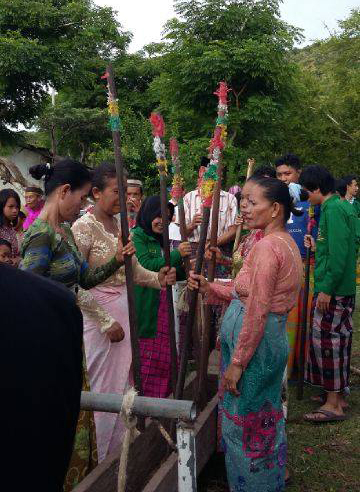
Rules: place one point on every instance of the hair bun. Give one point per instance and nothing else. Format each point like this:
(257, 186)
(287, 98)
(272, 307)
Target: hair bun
(41, 171)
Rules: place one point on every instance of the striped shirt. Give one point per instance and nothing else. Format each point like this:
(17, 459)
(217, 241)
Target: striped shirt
(227, 212)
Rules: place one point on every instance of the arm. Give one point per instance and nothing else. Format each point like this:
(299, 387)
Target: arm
(228, 236)
(90, 307)
(37, 254)
(220, 292)
(263, 278)
(150, 262)
(144, 277)
(338, 241)
(88, 304)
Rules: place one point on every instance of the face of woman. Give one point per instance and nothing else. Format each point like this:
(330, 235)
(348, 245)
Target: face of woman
(108, 198)
(257, 211)
(11, 210)
(157, 225)
(71, 202)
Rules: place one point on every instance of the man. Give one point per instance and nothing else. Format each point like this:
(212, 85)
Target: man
(34, 204)
(352, 189)
(226, 222)
(328, 362)
(288, 169)
(134, 194)
(41, 363)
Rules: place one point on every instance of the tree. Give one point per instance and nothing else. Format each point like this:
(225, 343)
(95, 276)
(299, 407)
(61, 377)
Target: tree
(243, 42)
(51, 43)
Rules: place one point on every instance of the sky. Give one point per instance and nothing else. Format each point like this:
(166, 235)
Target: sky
(145, 18)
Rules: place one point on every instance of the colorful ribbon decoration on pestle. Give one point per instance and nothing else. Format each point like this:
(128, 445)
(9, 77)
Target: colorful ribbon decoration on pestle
(217, 144)
(113, 108)
(158, 130)
(177, 190)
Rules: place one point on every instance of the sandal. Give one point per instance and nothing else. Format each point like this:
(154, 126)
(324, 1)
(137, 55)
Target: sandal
(322, 399)
(328, 417)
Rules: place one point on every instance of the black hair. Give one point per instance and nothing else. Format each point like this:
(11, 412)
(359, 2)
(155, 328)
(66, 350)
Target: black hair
(4, 242)
(341, 187)
(66, 171)
(264, 172)
(277, 191)
(204, 161)
(349, 179)
(290, 160)
(21, 215)
(238, 198)
(103, 172)
(5, 194)
(317, 177)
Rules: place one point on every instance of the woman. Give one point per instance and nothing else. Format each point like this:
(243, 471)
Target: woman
(49, 249)
(9, 211)
(105, 307)
(151, 305)
(254, 342)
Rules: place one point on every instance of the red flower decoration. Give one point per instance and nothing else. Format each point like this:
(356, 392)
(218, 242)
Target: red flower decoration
(174, 147)
(158, 125)
(222, 92)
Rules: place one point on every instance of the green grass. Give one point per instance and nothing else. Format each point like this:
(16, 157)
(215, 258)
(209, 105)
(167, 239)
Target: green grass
(322, 457)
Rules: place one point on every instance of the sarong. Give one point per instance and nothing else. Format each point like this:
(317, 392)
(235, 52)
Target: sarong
(84, 457)
(295, 320)
(155, 356)
(108, 364)
(328, 358)
(253, 426)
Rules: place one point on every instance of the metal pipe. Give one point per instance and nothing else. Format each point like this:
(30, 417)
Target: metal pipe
(185, 438)
(147, 407)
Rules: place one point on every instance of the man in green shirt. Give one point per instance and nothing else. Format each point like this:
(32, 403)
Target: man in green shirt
(328, 360)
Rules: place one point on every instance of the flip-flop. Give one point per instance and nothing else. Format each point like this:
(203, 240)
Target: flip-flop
(329, 417)
(322, 399)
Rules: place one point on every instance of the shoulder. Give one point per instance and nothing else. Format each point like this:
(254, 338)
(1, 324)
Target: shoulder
(83, 225)
(41, 232)
(139, 234)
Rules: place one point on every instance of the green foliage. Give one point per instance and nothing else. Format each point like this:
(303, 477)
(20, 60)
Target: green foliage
(50, 43)
(305, 101)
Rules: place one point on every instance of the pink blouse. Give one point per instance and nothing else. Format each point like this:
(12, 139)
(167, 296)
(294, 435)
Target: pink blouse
(269, 282)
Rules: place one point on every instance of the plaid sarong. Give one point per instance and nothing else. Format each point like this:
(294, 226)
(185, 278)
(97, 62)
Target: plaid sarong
(328, 359)
(156, 356)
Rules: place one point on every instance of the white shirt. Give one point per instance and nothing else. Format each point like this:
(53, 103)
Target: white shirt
(227, 212)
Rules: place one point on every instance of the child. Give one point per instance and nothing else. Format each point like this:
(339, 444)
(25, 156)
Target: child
(5, 252)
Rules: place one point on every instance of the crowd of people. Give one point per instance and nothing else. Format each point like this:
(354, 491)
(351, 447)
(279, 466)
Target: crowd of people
(69, 234)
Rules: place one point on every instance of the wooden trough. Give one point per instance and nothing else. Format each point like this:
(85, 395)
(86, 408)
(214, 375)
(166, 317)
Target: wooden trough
(150, 467)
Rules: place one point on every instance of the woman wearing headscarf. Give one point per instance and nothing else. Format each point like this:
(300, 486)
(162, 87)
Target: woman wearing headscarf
(105, 306)
(151, 305)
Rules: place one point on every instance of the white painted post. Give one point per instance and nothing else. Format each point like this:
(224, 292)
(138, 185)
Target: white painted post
(186, 457)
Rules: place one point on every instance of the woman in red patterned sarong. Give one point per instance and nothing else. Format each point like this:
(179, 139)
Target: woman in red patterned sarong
(151, 307)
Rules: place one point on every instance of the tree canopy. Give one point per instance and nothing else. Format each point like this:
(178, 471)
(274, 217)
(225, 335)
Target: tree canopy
(282, 98)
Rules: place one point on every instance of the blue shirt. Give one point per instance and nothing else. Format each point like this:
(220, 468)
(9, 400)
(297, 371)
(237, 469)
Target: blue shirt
(297, 226)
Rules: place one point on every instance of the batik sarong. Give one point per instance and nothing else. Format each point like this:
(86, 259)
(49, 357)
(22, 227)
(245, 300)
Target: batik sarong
(253, 425)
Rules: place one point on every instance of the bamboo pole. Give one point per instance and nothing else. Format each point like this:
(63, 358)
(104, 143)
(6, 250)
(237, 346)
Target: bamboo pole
(119, 164)
(159, 149)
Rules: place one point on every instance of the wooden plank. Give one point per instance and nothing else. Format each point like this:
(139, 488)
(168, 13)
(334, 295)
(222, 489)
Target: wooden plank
(166, 478)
